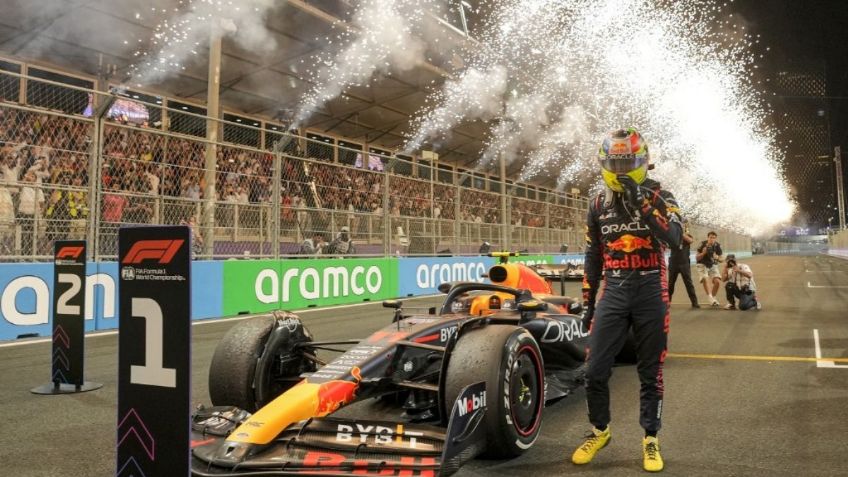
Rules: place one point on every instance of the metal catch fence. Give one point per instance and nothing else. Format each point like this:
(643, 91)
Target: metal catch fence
(76, 163)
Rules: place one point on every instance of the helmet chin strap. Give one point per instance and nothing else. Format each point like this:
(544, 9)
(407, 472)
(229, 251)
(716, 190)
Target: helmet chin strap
(609, 196)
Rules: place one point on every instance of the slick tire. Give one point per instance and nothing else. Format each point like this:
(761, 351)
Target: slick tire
(509, 360)
(255, 361)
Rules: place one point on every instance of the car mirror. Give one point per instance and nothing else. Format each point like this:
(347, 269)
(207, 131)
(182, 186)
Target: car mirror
(575, 308)
(444, 287)
(392, 304)
(532, 305)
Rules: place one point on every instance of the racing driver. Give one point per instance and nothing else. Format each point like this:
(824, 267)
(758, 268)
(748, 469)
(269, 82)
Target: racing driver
(629, 227)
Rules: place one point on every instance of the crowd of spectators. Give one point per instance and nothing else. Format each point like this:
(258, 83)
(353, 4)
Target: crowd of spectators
(151, 177)
(43, 176)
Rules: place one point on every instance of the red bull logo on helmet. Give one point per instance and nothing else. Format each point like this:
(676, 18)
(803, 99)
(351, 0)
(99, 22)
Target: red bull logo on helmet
(628, 243)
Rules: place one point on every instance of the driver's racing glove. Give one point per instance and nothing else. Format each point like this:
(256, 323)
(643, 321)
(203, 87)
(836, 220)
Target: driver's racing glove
(632, 192)
(588, 310)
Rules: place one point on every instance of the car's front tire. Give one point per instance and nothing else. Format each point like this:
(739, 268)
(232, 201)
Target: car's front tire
(256, 361)
(508, 359)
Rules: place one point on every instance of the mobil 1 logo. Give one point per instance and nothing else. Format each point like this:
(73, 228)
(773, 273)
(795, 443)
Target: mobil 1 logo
(154, 356)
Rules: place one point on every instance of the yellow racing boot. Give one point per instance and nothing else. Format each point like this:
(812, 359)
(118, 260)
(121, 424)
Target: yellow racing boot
(595, 441)
(651, 458)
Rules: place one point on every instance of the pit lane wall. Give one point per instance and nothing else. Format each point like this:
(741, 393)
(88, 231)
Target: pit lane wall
(838, 244)
(232, 287)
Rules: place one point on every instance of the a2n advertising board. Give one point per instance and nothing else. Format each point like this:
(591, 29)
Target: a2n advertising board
(26, 291)
(225, 288)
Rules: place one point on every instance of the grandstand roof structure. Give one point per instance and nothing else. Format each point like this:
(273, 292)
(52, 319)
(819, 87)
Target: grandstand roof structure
(90, 36)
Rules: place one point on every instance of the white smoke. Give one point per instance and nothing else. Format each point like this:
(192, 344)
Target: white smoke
(575, 70)
(179, 39)
(477, 94)
(386, 35)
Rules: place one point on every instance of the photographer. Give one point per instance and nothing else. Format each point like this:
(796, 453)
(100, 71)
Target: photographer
(314, 245)
(342, 244)
(707, 257)
(740, 285)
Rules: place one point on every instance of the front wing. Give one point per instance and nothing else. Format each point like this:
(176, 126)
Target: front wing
(346, 447)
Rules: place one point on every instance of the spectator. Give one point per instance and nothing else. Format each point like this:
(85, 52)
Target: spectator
(60, 208)
(29, 209)
(485, 248)
(314, 245)
(342, 244)
(679, 264)
(113, 206)
(707, 257)
(196, 236)
(78, 204)
(740, 285)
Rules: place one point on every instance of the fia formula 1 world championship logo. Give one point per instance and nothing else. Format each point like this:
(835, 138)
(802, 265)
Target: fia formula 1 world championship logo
(161, 250)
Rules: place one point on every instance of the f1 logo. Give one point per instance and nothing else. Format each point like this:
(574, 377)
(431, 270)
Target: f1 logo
(69, 252)
(163, 250)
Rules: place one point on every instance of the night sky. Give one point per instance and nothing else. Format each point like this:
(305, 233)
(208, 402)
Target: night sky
(799, 31)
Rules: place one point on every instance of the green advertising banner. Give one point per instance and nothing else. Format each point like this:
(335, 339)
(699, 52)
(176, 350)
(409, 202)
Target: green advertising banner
(532, 259)
(253, 286)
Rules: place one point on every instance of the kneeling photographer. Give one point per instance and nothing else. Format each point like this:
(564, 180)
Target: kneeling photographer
(740, 285)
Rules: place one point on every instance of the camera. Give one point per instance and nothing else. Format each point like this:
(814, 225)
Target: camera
(730, 260)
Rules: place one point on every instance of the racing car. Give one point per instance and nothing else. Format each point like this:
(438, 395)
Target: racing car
(469, 378)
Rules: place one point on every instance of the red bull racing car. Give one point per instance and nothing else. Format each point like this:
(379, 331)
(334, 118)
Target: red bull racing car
(468, 378)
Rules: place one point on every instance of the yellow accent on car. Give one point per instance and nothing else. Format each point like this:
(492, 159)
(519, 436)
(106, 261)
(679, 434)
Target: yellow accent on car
(298, 403)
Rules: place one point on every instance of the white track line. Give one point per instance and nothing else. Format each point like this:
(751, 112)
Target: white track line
(209, 321)
(822, 363)
(810, 285)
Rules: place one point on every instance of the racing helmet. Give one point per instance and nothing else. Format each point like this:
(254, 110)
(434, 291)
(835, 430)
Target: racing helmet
(623, 152)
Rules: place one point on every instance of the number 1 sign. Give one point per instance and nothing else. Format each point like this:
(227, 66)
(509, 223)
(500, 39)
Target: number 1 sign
(154, 354)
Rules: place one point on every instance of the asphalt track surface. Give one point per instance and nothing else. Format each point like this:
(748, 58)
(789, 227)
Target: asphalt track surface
(745, 394)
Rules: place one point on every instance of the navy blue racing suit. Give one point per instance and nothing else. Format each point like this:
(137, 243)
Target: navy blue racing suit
(628, 246)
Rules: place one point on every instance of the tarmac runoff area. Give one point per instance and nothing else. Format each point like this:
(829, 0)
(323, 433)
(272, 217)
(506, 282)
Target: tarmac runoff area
(747, 393)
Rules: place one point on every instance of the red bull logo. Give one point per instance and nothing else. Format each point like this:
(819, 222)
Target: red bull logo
(652, 261)
(336, 393)
(619, 148)
(628, 243)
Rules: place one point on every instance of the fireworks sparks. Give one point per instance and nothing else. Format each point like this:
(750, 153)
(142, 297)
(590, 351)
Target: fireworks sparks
(185, 31)
(385, 35)
(574, 70)
(550, 78)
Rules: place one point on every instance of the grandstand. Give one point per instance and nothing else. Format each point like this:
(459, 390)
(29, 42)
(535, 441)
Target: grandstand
(76, 162)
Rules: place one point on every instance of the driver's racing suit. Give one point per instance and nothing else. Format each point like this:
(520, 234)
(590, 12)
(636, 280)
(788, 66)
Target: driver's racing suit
(628, 246)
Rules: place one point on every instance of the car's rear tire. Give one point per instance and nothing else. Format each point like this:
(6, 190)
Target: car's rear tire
(256, 361)
(508, 359)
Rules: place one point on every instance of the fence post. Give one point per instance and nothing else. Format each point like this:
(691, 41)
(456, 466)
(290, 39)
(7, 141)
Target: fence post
(457, 223)
(95, 185)
(276, 203)
(387, 217)
(214, 112)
